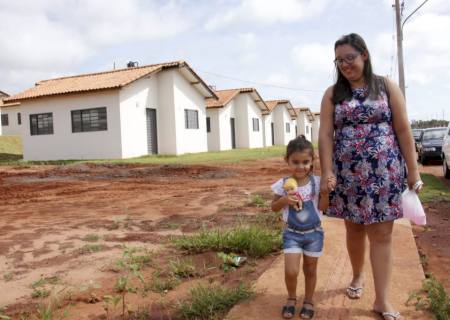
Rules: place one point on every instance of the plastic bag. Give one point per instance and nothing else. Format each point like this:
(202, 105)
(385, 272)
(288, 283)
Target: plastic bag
(412, 208)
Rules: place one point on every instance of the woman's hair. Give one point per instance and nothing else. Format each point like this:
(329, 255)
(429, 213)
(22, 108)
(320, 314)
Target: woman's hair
(342, 90)
(299, 144)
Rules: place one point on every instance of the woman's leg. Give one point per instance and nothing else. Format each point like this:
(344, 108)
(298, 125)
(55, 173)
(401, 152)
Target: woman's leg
(291, 268)
(380, 239)
(310, 272)
(356, 247)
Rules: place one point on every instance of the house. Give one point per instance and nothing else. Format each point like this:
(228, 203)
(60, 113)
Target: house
(279, 122)
(315, 127)
(11, 118)
(121, 113)
(235, 120)
(305, 119)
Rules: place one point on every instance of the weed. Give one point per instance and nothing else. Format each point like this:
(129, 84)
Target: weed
(183, 268)
(423, 260)
(212, 302)
(48, 313)
(170, 225)
(253, 240)
(433, 297)
(8, 277)
(40, 293)
(160, 284)
(110, 301)
(258, 201)
(91, 248)
(91, 237)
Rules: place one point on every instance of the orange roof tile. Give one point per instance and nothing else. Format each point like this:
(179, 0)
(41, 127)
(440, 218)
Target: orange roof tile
(113, 79)
(271, 104)
(225, 96)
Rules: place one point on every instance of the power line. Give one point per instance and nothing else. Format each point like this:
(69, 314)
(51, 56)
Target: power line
(261, 83)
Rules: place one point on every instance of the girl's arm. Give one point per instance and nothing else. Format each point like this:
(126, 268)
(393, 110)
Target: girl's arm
(326, 132)
(324, 201)
(403, 131)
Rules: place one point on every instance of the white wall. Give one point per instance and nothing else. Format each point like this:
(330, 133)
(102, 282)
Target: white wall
(63, 144)
(13, 127)
(135, 98)
(315, 129)
(256, 138)
(281, 116)
(214, 136)
(267, 120)
(187, 97)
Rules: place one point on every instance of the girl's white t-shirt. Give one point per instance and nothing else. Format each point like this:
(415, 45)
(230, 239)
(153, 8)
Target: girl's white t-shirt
(304, 191)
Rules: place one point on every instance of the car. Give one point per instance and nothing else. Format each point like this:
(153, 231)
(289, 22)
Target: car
(446, 153)
(416, 135)
(430, 144)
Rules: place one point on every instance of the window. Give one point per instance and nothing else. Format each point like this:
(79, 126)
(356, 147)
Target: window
(89, 120)
(288, 128)
(208, 124)
(5, 120)
(255, 124)
(19, 119)
(41, 123)
(191, 119)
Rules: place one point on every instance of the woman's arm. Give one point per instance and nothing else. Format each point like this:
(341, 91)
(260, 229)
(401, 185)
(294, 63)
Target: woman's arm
(326, 132)
(403, 131)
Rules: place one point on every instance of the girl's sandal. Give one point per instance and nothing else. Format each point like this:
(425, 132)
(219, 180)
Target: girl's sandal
(288, 311)
(390, 315)
(354, 292)
(307, 313)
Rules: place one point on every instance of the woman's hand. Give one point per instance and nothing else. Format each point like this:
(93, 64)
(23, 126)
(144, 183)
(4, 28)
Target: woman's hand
(414, 181)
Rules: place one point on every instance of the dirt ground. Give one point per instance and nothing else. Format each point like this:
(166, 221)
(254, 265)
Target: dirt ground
(47, 211)
(433, 241)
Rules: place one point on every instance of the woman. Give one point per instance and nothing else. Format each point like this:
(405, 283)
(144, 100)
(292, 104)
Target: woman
(365, 139)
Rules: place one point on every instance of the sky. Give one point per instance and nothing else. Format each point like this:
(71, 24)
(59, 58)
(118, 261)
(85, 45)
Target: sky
(283, 48)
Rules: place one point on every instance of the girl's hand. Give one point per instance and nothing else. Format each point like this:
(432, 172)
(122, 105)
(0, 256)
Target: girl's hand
(414, 181)
(327, 184)
(292, 200)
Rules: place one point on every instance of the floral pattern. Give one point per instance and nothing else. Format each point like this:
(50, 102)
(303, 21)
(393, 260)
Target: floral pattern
(369, 166)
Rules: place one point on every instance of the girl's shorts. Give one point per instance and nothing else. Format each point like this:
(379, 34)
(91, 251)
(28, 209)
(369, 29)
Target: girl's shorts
(310, 243)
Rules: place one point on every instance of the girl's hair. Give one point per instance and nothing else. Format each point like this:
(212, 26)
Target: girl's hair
(341, 89)
(299, 144)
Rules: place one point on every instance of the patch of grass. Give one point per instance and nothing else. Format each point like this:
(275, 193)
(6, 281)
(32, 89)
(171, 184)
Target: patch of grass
(212, 302)
(433, 190)
(8, 277)
(229, 156)
(161, 284)
(258, 201)
(432, 297)
(10, 149)
(170, 225)
(253, 240)
(270, 220)
(40, 293)
(91, 237)
(48, 313)
(91, 248)
(183, 268)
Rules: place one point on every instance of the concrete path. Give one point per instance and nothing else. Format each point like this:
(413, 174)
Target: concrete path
(334, 274)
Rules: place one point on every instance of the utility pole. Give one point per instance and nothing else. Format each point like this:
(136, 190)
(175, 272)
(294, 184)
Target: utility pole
(401, 70)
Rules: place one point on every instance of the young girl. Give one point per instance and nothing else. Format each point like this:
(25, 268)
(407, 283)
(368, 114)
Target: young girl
(303, 233)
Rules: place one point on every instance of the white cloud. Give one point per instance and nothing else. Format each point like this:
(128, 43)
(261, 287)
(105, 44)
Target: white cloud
(43, 36)
(265, 12)
(313, 58)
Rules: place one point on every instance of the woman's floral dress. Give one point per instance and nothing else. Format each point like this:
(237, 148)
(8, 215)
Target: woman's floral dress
(369, 166)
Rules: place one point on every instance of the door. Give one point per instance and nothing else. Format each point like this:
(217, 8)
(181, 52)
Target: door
(233, 134)
(152, 139)
(271, 132)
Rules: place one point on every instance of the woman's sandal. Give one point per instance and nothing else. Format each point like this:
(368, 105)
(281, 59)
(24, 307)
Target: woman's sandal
(354, 292)
(288, 312)
(307, 313)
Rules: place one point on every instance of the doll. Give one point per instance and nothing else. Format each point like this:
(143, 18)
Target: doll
(290, 186)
